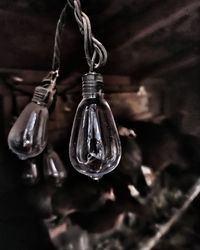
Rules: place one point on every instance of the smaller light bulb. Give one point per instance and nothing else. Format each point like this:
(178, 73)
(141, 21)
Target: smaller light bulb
(28, 136)
(95, 147)
(53, 167)
(30, 175)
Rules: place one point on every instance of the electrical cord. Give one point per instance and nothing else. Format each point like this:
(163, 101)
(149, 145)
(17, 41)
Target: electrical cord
(95, 52)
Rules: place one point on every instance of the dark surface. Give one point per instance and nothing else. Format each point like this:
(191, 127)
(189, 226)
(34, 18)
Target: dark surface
(151, 36)
(153, 44)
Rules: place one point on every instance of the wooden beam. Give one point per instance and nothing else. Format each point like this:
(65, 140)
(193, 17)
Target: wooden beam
(27, 80)
(179, 61)
(160, 16)
(175, 66)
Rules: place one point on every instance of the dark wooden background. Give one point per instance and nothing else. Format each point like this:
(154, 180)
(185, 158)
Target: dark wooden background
(150, 43)
(152, 75)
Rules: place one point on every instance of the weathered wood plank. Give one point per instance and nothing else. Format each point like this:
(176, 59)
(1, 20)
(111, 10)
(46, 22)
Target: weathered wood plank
(26, 80)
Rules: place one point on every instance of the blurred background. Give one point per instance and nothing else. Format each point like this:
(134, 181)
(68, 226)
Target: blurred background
(152, 85)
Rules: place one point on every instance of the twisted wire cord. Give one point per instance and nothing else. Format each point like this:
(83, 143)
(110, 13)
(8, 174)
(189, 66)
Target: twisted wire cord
(57, 40)
(95, 52)
(54, 73)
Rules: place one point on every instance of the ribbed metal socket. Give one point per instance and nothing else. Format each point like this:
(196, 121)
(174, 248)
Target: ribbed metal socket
(42, 96)
(92, 83)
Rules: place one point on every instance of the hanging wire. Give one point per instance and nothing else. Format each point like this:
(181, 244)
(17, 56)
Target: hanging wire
(95, 52)
(57, 40)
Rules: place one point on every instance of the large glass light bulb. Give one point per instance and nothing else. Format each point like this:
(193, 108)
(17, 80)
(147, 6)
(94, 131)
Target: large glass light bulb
(28, 136)
(54, 169)
(95, 147)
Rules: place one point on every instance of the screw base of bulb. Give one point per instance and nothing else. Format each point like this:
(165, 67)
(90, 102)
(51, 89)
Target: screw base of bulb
(92, 83)
(43, 95)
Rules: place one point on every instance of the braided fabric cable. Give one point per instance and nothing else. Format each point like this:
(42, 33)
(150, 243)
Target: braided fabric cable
(95, 52)
(57, 40)
(50, 80)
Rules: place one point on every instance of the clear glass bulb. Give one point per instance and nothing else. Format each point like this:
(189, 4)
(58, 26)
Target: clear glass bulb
(54, 169)
(28, 136)
(95, 147)
(30, 174)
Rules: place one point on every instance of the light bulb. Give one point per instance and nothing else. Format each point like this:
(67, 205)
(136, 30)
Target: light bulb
(95, 147)
(54, 169)
(30, 174)
(28, 136)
